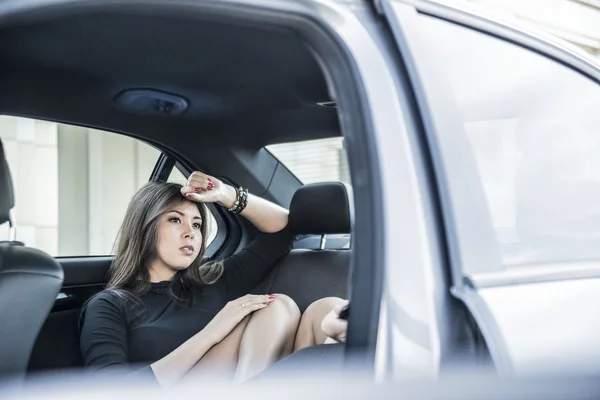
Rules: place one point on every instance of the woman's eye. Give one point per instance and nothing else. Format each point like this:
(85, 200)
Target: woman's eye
(174, 219)
(197, 226)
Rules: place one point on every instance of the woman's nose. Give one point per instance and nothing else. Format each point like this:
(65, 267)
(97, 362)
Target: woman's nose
(189, 233)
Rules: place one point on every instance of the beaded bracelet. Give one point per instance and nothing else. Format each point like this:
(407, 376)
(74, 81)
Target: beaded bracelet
(241, 200)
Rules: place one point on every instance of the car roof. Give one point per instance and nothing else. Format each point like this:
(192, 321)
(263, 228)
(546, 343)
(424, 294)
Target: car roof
(245, 85)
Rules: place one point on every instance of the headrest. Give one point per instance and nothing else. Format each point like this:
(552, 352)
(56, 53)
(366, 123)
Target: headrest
(322, 208)
(7, 199)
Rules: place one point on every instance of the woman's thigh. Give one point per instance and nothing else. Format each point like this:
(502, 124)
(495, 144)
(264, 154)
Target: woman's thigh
(266, 334)
(220, 361)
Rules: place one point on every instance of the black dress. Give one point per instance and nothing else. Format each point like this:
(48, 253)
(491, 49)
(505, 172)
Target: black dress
(118, 333)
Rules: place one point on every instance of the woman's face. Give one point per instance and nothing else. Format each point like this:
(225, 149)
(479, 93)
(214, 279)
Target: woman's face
(179, 236)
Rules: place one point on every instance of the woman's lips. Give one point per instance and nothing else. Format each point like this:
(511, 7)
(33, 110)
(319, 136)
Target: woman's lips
(187, 250)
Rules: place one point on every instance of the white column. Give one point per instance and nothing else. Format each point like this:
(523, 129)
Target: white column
(73, 191)
(113, 180)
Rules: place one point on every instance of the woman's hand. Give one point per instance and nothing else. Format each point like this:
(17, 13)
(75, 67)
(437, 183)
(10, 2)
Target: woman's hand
(233, 313)
(203, 188)
(333, 326)
(266, 216)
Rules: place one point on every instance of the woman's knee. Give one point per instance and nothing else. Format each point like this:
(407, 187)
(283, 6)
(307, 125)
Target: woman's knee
(286, 306)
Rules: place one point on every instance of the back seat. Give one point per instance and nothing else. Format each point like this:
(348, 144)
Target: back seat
(308, 275)
(305, 275)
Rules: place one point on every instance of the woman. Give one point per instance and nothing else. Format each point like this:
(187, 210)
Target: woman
(162, 308)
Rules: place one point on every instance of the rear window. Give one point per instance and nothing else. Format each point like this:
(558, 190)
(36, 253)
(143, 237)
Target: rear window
(311, 161)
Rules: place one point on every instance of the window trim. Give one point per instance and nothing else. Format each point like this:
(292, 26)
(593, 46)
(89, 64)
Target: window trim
(543, 44)
(536, 273)
(163, 168)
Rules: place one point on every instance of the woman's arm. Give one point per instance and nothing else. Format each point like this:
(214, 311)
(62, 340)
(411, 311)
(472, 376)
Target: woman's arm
(245, 269)
(265, 215)
(104, 343)
(171, 368)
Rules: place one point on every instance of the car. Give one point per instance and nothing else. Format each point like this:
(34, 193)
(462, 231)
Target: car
(470, 143)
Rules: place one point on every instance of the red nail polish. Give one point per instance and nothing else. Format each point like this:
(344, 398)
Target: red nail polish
(272, 296)
(197, 189)
(208, 179)
(188, 195)
(266, 303)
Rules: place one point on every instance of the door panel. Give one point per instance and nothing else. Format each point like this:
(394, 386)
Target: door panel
(511, 124)
(550, 322)
(84, 271)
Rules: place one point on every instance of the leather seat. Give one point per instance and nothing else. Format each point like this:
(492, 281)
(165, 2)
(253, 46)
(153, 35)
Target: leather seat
(30, 280)
(308, 275)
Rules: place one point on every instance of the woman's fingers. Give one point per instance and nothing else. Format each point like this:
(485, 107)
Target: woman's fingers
(255, 307)
(334, 327)
(187, 189)
(338, 308)
(204, 182)
(197, 186)
(199, 180)
(250, 299)
(250, 303)
(202, 197)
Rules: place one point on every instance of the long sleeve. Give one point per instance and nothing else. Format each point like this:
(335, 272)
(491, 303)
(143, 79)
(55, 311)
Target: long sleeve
(104, 334)
(103, 339)
(245, 269)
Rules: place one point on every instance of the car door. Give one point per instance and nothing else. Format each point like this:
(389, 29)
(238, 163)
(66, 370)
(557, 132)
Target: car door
(511, 124)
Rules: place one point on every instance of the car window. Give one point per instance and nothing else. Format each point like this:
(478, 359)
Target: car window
(322, 160)
(531, 126)
(73, 184)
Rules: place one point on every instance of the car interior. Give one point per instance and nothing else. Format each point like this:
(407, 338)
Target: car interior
(210, 95)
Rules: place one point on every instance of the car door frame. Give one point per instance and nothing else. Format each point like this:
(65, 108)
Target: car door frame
(393, 234)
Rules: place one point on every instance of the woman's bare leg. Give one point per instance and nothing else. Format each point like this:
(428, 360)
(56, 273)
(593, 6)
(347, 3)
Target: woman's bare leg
(261, 339)
(268, 337)
(309, 331)
(221, 360)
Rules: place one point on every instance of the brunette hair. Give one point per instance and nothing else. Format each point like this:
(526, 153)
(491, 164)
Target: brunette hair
(135, 247)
